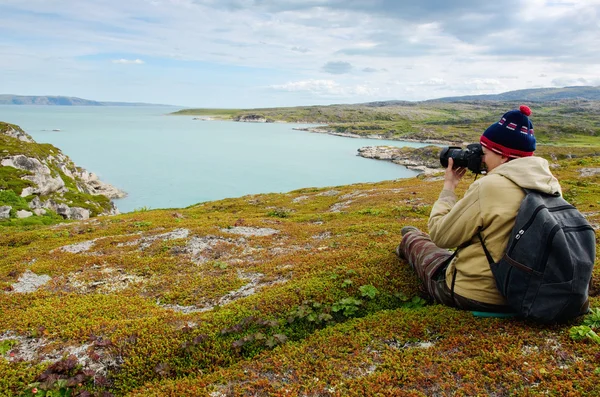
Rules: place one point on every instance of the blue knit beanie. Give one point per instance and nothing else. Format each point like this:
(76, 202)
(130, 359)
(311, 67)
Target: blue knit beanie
(512, 136)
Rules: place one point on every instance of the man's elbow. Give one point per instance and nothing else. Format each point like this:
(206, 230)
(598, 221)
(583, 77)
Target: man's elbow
(439, 236)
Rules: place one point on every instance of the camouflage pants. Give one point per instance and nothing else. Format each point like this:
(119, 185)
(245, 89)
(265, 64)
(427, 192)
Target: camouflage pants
(430, 263)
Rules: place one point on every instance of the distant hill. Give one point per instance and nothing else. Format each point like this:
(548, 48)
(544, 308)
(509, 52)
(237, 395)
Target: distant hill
(63, 101)
(532, 95)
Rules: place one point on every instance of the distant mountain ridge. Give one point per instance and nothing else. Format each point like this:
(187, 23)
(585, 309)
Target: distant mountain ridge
(45, 100)
(533, 95)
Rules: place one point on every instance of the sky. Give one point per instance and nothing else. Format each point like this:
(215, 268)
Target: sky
(263, 53)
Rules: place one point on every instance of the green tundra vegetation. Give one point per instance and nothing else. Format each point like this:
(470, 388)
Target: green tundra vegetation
(278, 294)
(573, 121)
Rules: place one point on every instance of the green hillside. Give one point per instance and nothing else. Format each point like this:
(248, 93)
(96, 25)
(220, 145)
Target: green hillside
(573, 122)
(272, 294)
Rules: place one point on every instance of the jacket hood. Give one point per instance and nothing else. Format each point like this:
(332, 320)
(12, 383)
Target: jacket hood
(530, 173)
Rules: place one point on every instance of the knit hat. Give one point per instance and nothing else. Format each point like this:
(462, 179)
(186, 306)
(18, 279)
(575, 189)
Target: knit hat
(512, 136)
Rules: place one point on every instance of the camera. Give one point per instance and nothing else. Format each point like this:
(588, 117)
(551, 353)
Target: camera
(470, 157)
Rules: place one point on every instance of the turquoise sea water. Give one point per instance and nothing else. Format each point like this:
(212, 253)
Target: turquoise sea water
(174, 161)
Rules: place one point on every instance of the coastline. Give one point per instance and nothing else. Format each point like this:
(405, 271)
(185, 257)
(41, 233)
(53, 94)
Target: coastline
(425, 160)
(377, 137)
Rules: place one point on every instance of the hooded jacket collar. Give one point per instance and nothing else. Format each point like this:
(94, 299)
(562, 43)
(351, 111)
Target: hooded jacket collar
(530, 173)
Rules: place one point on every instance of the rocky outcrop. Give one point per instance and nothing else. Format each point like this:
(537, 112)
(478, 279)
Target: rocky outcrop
(92, 185)
(16, 132)
(41, 175)
(252, 118)
(57, 184)
(425, 159)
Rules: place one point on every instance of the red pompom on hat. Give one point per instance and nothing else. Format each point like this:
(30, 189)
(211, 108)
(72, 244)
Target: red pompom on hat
(525, 110)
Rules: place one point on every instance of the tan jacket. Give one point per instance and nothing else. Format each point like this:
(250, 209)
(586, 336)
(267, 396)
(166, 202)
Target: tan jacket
(492, 203)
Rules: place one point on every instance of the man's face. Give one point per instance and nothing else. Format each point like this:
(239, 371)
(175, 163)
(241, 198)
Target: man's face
(492, 159)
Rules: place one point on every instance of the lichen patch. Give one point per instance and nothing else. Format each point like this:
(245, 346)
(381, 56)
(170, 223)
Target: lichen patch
(146, 242)
(204, 249)
(30, 282)
(31, 349)
(78, 248)
(251, 231)
(101, 280)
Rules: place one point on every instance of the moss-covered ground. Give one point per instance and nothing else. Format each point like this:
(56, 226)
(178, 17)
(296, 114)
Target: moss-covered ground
(272, 294)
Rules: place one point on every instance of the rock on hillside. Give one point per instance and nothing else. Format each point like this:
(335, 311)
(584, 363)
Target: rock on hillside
(39, 178)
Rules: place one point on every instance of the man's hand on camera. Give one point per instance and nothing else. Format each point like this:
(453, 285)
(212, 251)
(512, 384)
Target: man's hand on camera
(453, 176)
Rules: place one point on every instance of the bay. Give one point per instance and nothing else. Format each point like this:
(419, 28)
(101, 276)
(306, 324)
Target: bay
(165, 161)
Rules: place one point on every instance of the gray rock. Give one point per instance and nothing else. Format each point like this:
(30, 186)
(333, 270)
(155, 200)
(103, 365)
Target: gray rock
(24, 214)
(39, 211)
(50, 205)
(92, 185)
(28, 191)
(79, 213)
(20, 135)
(67, 212)
(63, 210)
(42, 176)
(589, 171)
(5, 212)
(329, 193)
(35, 203)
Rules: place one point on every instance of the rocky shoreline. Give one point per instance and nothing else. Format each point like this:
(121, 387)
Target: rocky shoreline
(424, 160)
(53, 182)
(318, 130)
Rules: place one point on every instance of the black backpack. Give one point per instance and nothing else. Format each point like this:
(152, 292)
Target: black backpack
(547, 266)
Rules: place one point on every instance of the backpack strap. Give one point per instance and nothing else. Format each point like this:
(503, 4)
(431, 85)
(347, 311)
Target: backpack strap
(454, 273)
(487, 253)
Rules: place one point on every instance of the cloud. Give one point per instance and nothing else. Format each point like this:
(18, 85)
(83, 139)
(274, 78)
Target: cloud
(300, 49)
(574, 81)
(337, 67)
(431, 48)
(328, 88)
(433, 82)
(128, 61)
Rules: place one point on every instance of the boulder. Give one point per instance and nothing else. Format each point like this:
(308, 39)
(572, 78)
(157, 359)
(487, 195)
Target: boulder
(79, 213)
(35, 203)
(24, 214)
(63, 210)
(5, 212)
(39, 211)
